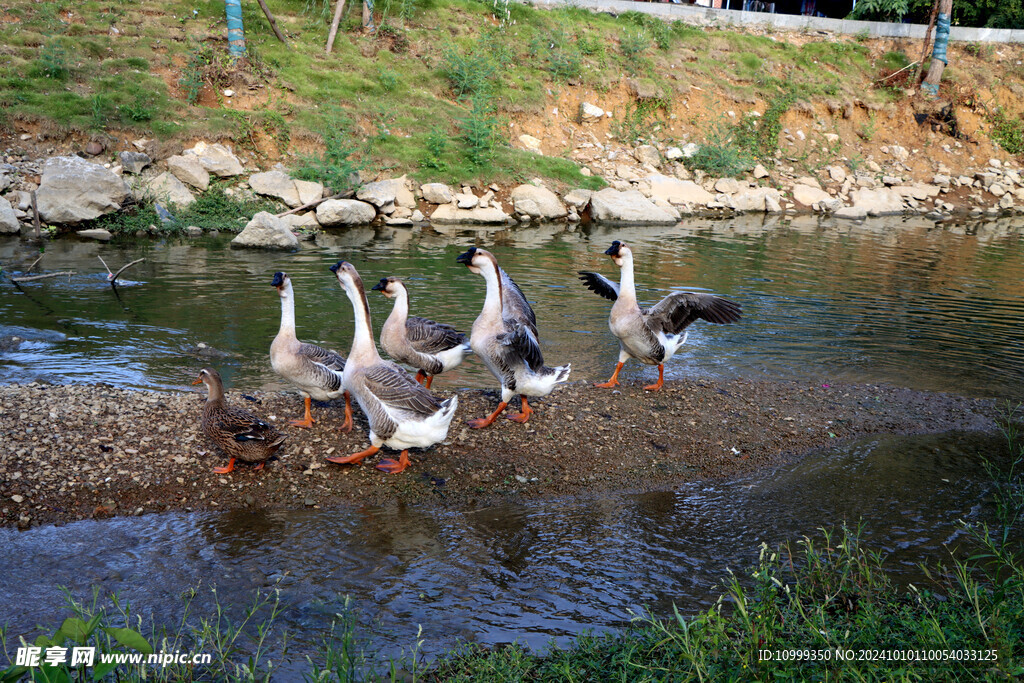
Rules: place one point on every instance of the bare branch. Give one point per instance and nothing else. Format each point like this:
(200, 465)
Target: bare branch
(113, 278)
(29, 278)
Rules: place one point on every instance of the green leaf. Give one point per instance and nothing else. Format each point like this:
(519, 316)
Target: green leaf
(130, 638)
(101, 670)
(75, 629)
(12, 674)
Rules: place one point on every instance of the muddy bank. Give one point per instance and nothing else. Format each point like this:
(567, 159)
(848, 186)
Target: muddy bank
(72, 452)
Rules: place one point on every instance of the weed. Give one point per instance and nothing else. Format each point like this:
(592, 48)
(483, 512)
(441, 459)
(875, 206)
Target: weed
(192, 79)
(638, 120)
(1007, 131)
(53, 61)
(468, 74)
(139, 110)
(437, 145)
(759, 136)
(334, 167)
(634, 43)
(480, 130)
(721, 155)
(388, 79)
(99, 108)
(659, 30)
(862, 36)
(867, 130)
(590, 44)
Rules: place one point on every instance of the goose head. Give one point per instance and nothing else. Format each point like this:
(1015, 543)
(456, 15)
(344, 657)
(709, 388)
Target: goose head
(477, 259)
(282, 282)
(348, 276)
(618, 251)
(388, 286)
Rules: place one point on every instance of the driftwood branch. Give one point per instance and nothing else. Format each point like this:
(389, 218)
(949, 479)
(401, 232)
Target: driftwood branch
(35, 216)
(29, 278)
(895, 73)
(113, 278)
(29, 269)
(334, 25)
(110, 274)
(318, 202)
(273, 23)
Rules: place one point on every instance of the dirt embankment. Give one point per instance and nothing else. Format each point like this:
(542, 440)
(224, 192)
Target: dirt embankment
(73, 452)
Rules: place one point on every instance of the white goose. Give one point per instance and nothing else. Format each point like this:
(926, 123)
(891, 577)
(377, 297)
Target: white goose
(652, 335)
(505, 337)
(428, 346)
(315, 370)
(402, 413)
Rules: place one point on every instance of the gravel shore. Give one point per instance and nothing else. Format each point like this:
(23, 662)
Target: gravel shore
(73, 452)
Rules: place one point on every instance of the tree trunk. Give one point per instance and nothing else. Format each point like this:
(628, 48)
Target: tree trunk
(927, 41)
(236, 34)
(273, 23)
(367, 13)
(334, 25)
(931, 81)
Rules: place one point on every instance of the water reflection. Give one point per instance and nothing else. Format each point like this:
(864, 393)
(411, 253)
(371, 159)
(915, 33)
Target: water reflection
(902, 301)
(528, 571)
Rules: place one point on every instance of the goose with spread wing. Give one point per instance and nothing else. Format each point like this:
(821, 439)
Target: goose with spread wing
(652, 335)
(315, 370)
(504, 335)
(403, 414)
(428, 346)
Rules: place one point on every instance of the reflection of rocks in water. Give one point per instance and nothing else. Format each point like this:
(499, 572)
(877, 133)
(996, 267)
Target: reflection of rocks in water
(346, 237)
(10, 342)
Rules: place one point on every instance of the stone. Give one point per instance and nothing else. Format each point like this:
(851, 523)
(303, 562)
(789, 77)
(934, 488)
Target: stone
(673, 153)
(880, 202)
(647, 154)
(436, 193)
(8, 220)
(398, 222)
(5, 181)
(301, 222)
(727, 185)
(278, 184)
(134, 162)
(530, 143)
(899, 153)
(451, 214)
(873, 166)
(760, 172)
(392, 191)
(590, 113)
(626, 172)
(217, 159)
(578, 198)
(808, 196)
(73, 190)
(167, 189)
(644, 89)
(188, 170)
(466, 200)
(772, 204)
(338, 212)
(610, 205)
(942, 180)
(997, 190)
(266, 231)
(917, 191)
(690, 148)
(539, 202)
(94, 148)
(808, 181)
(417, 216)
(755, 199)
(851, 213)
(98, 234)
(675, 191)
(194, 231)
(837, 173)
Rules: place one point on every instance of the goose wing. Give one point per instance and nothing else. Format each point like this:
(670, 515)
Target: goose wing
(600, 285)
(427, 336)
(514, 303)
(519, 345)
(396, 389)
(322, 366)
(676, 311)
(331, 360)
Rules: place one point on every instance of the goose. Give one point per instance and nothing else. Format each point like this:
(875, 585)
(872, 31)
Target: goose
(403, 414)
(504, 335)
(315, 370)
(430, 347)
(239, 433)
(652, 335)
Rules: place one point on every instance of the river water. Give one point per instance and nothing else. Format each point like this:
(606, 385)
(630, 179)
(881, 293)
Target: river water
(908, 303)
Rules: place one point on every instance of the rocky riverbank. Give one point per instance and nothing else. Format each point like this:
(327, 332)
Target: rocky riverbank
(75, 452)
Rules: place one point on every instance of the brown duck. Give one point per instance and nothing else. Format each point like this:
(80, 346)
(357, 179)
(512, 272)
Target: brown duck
(239, 433)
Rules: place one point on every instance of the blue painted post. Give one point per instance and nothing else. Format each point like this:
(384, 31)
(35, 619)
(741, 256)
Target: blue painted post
(236, 34)
(939, 60)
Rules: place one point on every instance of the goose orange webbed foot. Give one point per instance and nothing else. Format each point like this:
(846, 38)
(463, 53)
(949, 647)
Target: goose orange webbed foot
(524, 415)
(395, 466)
(353, 459)
(346, 426)
(661, 380)
(307, 421)
(613, 381)
(481, 422)
(230, 467)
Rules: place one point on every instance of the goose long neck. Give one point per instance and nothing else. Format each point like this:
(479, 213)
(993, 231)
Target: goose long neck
(492, 303)
(362, 339)
(627, 286)
(400, 312)
(288, 309)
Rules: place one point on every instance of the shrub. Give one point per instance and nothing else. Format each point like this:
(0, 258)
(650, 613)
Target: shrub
(480, 130)
(468, 74)
(1007, 131)
(633, 43)
(721, 155)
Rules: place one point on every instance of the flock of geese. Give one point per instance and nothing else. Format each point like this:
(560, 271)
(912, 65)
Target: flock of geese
(401, 410)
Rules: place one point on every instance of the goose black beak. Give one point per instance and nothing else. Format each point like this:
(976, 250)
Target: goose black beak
(614, 249)
(466, 257)
(278, 280)
(336, 266)
(379, 287)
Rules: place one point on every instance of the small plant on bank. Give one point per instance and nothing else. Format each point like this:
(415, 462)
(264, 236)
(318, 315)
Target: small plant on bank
(639, 120)
(437, 146)
(634, 42)
(335, 166)
(53, 61)
(469, 73)
(479, 130)
(721, 156)
(141, 109)
(1007, 131)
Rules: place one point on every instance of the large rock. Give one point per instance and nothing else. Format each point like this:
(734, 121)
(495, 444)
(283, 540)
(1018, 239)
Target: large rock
(881, 202)
(98, 234)
(647, 154)
(578, 198)
(613, 206)
(531, 143)
(538, 202)
(449, 213)
(756, 199)
(304, 222)
(808, 195)
(917, 191)
(590, 113)
(277, 183)
(73, 190)
(133, 162)
(436, 193)
(675, 191)
(217, 159)
(188, 170)
(266, 231)
(340, 212)
(167, 189)
(851, 213)
(8, 220)
(384, 192)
